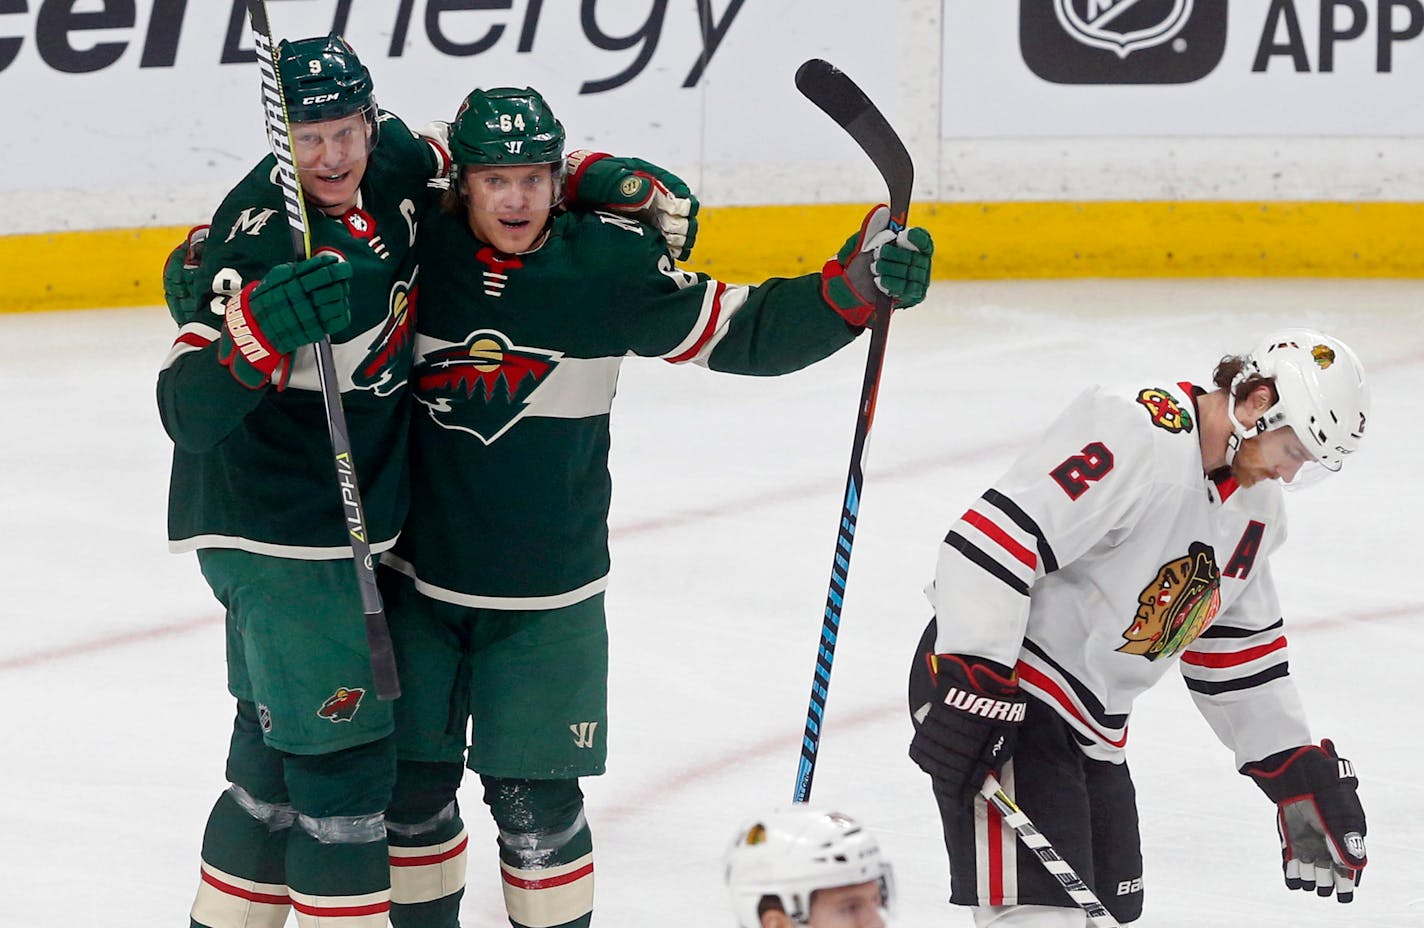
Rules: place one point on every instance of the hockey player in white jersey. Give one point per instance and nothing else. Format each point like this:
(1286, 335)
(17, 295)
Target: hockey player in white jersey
(1134, 535)
(801, 865)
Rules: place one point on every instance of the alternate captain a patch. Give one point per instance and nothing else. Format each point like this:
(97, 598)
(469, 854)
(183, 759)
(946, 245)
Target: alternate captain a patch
(1165, 411)
(1176, 606)
(483, 385)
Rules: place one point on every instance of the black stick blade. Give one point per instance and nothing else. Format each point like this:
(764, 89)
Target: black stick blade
(841, 98)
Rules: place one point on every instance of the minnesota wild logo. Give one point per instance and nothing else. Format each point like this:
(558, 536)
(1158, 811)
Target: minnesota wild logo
(388, 357)
(341, 705)
(481, 386)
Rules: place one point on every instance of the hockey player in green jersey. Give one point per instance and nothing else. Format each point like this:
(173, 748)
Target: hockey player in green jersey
(253, 489)
(497, 594)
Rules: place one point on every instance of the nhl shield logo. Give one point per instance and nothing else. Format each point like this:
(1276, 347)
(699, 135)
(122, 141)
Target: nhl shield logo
(1109, 23)
(1122, 41)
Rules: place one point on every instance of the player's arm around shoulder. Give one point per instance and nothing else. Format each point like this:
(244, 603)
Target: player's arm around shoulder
(410, 159)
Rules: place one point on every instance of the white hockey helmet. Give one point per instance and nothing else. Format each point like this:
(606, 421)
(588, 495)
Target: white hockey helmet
(794, 851)
(1321, 394)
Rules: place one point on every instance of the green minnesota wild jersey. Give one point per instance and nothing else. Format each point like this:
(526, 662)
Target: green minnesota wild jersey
(517, 358)
(253, 469)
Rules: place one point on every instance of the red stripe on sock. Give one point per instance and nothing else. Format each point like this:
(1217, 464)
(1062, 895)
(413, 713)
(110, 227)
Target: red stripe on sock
(548, 882)
(249, 895)
(342, 911)
(428, 859)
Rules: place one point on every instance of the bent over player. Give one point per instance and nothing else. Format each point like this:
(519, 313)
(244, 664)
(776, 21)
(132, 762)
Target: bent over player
(497, 609)
(254, 489)
(1134, 535)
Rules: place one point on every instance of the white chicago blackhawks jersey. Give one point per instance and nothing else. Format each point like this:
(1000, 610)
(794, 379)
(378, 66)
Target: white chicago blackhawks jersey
(1105, 555)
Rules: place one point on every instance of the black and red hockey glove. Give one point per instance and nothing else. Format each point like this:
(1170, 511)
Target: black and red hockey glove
(1318, 816)
(969, 728)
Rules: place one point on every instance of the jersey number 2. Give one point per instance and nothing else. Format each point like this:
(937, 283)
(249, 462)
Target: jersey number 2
(1089, 466)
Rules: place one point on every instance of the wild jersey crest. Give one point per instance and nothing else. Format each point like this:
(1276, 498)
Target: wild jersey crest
(383, 370)
(483, 385)
(1176, 606)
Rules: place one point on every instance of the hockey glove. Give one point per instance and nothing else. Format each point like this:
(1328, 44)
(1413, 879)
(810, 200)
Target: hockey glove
(1318, 816)
(180, 273)
(875, 258)
(634, 186)
(296, 304)
(968, 730)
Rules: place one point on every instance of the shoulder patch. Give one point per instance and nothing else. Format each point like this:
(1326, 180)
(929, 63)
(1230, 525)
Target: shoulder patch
(1164, 410)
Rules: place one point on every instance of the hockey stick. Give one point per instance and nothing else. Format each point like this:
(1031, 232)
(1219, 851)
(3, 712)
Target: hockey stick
(279, 131)
(839, 97)
(1033, 839)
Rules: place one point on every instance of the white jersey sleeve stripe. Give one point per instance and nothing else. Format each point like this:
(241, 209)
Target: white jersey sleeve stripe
(1017, 551)
(192, 337)
(986, 562)
(1020, 518)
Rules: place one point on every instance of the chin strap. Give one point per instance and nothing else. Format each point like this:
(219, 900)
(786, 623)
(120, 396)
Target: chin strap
(1239, 432)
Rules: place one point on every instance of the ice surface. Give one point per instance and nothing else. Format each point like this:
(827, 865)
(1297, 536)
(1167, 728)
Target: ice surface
(727, 492)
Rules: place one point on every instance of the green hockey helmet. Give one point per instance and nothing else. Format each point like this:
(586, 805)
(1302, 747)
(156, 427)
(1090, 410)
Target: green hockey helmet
(322, 79)
(506, 126)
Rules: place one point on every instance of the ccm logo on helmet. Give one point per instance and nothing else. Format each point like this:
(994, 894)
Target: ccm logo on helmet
(320, 98)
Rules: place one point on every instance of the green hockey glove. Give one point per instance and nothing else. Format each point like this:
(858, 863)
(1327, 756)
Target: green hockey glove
(636, 187)
(180, 274)
(874, 258)
(296, 304)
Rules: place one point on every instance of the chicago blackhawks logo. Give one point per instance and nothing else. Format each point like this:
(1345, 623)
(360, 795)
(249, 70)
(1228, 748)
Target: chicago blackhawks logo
(1165, 411)
(483, 385)
(1176, 606)
(341, 705)
(388, 357)
(1115, 26)
(1324, 356)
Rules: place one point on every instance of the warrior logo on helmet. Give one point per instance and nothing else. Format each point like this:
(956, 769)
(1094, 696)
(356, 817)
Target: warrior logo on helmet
(483, 385)
(1165, 411)
(1176, 606)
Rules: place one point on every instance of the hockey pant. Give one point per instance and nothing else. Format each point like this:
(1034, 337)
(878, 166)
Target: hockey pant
(545, 849)
(1087, 808)
(297, 832)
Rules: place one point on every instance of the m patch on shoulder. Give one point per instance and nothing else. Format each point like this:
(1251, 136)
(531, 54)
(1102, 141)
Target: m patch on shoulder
(341, 705)
(1165, 411)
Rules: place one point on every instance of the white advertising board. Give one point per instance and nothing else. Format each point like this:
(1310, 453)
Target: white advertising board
(1183, 68)
(135, 112)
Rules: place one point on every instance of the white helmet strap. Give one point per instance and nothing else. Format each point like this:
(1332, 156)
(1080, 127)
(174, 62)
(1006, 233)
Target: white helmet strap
(1239, 432)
